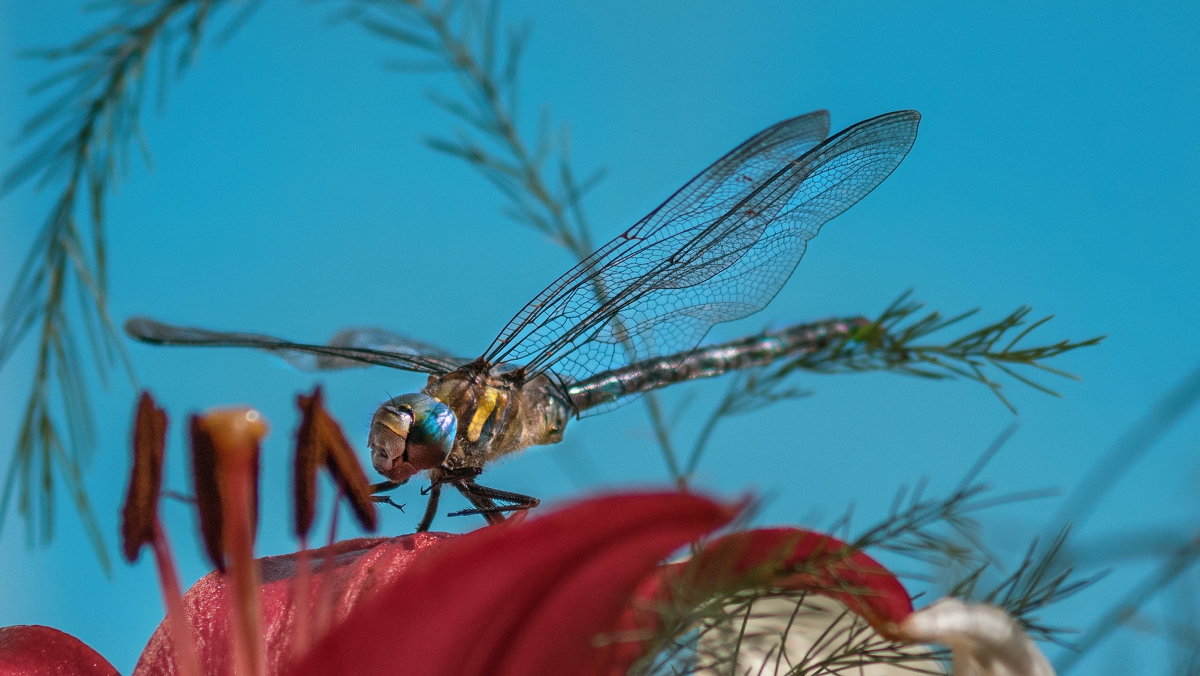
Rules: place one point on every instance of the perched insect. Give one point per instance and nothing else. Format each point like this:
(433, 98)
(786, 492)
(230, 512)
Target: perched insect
(624, 321)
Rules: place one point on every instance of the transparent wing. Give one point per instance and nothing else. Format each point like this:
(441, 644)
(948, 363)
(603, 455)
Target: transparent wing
(717, 250)
(708, 196)
(381, 340)
(349, 348)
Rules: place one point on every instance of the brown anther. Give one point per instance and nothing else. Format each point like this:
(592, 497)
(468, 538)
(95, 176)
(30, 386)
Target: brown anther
(310, 454)
(319, 440)
(225, 458)
(140, 511)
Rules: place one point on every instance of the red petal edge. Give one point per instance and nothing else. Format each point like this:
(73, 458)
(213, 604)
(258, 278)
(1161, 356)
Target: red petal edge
(788, 558)
(34, 649)
(527, 598)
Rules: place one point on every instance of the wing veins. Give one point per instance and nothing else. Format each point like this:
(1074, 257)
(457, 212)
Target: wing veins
(650, 283)
(810, 129)
(158, 333)
(719, 249)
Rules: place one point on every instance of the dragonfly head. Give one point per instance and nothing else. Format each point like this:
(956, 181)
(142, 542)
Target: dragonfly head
(411, 433)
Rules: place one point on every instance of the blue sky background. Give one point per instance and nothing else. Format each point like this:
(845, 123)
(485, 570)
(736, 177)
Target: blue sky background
(290, 193)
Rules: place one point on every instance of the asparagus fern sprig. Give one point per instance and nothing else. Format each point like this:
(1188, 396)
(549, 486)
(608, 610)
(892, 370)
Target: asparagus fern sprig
(79, 144)
(895, 341)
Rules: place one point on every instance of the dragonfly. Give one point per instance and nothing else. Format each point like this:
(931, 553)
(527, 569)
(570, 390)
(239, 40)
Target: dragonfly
(624, 321)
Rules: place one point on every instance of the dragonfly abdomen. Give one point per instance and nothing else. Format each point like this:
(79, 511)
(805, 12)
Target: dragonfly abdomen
(709, 361)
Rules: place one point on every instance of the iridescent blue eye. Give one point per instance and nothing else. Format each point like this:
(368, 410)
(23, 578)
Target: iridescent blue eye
(431, 436)
(409, 434)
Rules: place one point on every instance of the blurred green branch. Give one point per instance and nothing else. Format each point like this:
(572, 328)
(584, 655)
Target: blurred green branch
(1174, 553)
(80, 145)
(1170, 568)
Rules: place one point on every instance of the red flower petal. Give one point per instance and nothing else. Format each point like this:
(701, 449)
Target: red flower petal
(526, 597)
(347, 573)
(780, 558)
(34, 649)
(797, 559)
(529, 598)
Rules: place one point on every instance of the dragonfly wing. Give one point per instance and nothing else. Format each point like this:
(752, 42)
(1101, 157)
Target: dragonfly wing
(382, 340)
(712, 193)
(718, 250)
(354, 347)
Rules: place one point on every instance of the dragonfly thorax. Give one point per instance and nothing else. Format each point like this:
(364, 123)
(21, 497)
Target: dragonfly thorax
(499, 411)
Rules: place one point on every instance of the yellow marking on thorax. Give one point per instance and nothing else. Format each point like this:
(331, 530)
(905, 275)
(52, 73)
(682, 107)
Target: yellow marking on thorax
(485, 407)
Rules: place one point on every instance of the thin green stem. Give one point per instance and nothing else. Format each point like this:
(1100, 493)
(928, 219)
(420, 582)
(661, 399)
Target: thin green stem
(85, 132)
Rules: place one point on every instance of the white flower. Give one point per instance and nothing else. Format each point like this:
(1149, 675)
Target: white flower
(984, 640)
(811, 635)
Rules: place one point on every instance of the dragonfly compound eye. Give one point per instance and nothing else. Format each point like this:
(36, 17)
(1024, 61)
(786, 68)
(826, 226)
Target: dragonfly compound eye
(431, 437)
(411, 433)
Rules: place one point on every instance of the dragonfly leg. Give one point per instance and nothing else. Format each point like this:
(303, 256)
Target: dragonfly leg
(387, 500)
(384, 486)
(483, 506)
(484, 497)
(452, 475)
(435, 493)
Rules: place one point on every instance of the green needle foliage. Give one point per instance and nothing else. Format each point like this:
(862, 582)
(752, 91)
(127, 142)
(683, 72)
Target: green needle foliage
(899, 341)
(895, 342)
(463, 38)
(79, 145)
(928, 530)
(1039, 580)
